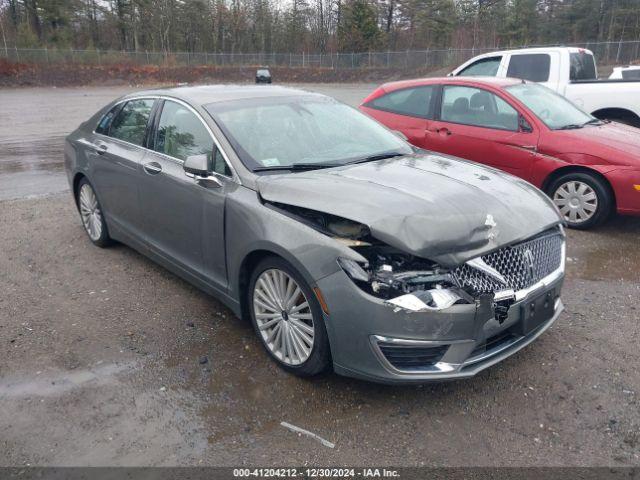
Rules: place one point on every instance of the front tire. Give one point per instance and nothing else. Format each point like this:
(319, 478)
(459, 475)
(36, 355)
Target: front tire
(91, 215)
(584, 200)
(287, 318)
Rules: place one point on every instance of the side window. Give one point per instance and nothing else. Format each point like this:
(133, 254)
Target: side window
(631, 74)
(130, 124)
(486, 67)
(534, 67)
(477, 107)
(105, 121)
(583, 67)
(181, 133)
(414, 102)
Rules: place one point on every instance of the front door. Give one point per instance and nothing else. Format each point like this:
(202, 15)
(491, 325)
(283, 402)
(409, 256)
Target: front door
(481, 126)
(183, 217)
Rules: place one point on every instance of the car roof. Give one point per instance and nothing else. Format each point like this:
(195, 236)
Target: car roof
(487, 81)
(534, 50)
(206, 94)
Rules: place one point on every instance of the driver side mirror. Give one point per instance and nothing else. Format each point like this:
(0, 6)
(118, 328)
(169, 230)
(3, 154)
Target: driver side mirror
(524, 125)
(197, 165)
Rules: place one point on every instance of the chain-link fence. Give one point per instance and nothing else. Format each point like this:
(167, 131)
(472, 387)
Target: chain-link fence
(607, 53)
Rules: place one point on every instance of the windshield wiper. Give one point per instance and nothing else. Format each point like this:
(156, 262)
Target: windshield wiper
(593, 121)
(373, 158)
(295, 167)
(571, 126)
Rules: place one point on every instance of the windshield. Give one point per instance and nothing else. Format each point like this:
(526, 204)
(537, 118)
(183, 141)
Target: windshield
(264, 73)
(281, 132)
(555, 111)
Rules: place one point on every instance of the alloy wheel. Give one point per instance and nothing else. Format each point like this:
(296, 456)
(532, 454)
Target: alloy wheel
(283, 316)
(576, 200)
(90, 212)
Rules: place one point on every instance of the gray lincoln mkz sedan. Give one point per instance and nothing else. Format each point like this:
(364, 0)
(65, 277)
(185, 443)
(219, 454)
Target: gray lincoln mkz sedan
(344, 245)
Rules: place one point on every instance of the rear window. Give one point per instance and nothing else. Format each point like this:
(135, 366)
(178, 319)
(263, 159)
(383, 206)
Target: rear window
(414, 102)
(105, 121)
(487, 67)
(534, 67)
(583, 67)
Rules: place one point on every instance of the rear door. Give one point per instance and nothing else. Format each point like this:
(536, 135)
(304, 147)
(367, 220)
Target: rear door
(406, 110)
(478, 125)
(116, 155)
(184, 217)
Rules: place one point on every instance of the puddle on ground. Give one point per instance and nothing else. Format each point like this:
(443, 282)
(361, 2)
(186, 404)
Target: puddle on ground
(610, 252)
(54, 384)
(45, 154)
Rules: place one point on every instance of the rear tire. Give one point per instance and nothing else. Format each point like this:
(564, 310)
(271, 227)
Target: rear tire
(584, 200)
(287, 318)
(91, 215)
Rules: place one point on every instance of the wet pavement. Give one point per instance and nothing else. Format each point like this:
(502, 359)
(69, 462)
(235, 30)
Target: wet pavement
(108, 359)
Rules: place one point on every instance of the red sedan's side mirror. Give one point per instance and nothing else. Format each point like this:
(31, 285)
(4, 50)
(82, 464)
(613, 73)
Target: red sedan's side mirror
(524, 126)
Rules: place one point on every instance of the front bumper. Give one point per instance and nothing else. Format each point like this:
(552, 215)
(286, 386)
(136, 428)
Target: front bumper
(626, 185)
(465, 339)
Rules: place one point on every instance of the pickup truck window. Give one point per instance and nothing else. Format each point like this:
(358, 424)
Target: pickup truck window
(414, 102)
(534, 67)
(555, 111)
(486, 67)
(477, 107)
(631, 74)
(583, 67)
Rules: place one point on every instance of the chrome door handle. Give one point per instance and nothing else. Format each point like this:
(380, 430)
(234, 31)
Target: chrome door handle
(531, 148)
(152, 168)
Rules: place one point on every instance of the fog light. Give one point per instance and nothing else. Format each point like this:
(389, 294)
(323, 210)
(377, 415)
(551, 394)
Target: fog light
(426, 300)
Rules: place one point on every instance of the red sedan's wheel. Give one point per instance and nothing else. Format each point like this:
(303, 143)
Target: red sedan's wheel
(584, 200)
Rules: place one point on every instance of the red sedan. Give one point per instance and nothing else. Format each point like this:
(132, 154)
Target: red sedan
(589, 168)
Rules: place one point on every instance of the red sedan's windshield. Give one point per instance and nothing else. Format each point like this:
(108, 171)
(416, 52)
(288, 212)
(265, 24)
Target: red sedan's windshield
(555, 111)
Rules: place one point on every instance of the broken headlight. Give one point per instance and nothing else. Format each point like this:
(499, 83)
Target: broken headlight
(403, 280)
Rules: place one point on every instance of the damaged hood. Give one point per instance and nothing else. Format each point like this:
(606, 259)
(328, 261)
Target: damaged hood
(432, 206)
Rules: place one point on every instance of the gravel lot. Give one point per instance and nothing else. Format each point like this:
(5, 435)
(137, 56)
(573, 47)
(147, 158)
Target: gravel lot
(108, 359)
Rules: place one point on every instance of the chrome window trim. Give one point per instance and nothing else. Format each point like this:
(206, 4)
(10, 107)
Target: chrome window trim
(234, 174)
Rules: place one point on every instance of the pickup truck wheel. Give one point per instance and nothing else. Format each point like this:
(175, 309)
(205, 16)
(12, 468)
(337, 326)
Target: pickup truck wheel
(584, 200)
(287, 318)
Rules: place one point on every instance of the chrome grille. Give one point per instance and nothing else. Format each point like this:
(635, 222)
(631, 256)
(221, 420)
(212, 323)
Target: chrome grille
(522, 265)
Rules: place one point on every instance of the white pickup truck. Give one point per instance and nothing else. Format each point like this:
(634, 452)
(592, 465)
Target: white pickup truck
(569, 71)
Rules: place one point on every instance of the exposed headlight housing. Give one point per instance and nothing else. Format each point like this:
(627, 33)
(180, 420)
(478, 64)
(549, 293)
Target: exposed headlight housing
(402, 280)
(353, 269)
(426, 300)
